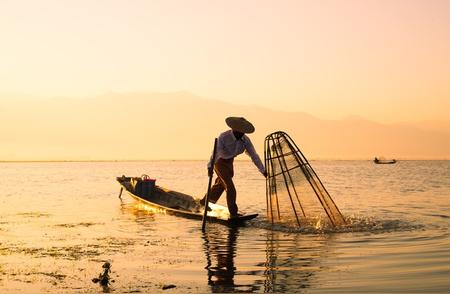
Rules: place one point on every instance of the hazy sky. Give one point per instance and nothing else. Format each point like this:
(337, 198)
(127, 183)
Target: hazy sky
(387, 61)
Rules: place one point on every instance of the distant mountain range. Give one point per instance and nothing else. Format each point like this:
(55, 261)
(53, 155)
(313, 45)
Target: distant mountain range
(179, 125)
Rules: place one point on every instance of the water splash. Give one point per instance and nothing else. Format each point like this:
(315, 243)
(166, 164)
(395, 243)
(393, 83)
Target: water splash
(353, 224)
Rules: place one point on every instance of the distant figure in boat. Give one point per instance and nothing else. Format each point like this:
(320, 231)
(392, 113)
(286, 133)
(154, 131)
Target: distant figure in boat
(378, 161)
(230, 144)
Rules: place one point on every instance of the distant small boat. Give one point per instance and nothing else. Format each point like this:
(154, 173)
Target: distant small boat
(382, 161)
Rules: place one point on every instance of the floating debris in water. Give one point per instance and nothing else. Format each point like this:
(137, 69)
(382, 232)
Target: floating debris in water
(34, 214)
(73, 225)
(103, 278)
(166, 287)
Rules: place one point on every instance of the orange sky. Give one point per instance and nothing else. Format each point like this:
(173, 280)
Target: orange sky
(383, 60)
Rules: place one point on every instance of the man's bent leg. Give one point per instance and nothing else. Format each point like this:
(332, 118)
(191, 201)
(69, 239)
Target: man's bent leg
(215, 192)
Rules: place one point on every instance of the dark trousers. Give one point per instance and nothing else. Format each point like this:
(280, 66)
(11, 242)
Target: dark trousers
(224, 182)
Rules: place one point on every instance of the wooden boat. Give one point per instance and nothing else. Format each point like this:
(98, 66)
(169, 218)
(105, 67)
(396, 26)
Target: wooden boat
(379, 161)
(172, 202)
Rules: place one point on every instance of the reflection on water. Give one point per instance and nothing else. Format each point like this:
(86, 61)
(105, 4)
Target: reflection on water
(293, 261)
(289, 265)
(141, 213)
(220, 250)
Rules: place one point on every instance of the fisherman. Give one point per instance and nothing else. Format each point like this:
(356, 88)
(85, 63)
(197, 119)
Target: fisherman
(230, 144)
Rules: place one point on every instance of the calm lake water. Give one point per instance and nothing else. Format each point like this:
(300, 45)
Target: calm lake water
(59, 223)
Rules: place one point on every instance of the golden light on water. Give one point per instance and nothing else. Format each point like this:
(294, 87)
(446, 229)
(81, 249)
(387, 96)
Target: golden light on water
(72, 224)
(148, 208)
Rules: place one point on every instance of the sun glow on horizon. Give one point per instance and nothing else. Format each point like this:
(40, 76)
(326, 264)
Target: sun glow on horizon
(382, 61)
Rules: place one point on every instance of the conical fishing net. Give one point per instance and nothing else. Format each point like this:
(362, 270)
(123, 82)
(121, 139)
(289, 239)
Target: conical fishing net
(294, 192)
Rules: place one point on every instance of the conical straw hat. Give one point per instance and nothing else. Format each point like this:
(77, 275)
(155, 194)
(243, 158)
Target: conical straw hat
(240, 124)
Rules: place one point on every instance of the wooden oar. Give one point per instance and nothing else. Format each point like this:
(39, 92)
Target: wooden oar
(209, 186)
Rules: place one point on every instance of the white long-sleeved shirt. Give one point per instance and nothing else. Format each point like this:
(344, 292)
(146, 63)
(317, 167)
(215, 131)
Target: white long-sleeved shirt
(229, 147)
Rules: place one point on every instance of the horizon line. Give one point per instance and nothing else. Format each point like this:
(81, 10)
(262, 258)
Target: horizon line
(242, 160)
